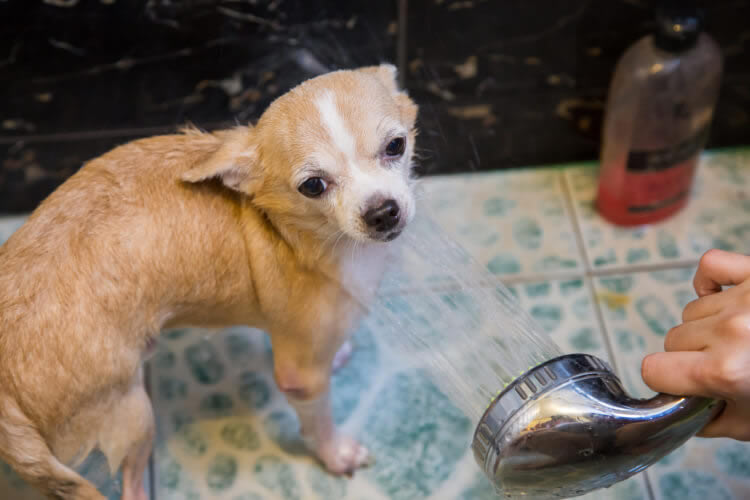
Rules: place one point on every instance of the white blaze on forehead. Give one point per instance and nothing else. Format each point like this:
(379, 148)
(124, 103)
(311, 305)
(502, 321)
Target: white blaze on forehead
(335, 125)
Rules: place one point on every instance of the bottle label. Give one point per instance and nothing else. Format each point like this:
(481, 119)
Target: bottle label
(662, 159)
(662, 178)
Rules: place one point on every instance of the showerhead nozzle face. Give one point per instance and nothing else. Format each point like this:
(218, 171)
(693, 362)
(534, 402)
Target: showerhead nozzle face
(567, 427)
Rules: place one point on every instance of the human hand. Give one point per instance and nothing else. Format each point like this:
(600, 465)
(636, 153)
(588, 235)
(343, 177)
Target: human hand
(709, 353)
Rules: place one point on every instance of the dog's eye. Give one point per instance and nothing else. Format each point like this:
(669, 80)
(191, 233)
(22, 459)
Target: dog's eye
(395, 147)
(313, 187)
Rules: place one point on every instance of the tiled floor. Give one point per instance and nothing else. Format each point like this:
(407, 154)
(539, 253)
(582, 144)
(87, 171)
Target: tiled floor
(226, 433)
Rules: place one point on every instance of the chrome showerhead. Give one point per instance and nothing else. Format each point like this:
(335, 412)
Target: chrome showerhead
(567, 427)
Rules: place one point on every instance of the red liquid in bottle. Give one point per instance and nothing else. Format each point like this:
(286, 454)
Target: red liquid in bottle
(628, 197)
(648, 197)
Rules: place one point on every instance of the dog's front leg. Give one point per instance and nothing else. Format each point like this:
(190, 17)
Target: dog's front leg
(307, 389)
(341, 454)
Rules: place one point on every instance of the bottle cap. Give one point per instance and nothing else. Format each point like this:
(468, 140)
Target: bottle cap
(678, 25)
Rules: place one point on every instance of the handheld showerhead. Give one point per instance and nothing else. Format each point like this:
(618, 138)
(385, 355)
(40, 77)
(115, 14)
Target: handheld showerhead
(567, 427)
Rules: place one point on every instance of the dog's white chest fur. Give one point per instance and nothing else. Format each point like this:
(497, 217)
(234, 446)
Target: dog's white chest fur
(361, 268)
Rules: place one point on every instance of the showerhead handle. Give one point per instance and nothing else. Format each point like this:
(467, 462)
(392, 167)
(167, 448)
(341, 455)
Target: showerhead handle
(567, 427)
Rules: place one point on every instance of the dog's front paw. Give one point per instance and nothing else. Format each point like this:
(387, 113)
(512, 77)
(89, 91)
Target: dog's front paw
(343, 455)
(343, 355)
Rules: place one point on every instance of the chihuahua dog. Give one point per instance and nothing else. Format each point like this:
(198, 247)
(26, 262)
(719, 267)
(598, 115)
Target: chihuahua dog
(248, 226)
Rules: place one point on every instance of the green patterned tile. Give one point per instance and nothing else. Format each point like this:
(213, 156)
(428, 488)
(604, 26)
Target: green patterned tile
(228, 433)
(564, 310)
(638, 310)
(515, 223)
(211, 448)
(417, 435)
(716, 217)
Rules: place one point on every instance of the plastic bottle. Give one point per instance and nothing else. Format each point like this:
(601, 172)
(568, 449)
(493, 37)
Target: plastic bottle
(658, 115)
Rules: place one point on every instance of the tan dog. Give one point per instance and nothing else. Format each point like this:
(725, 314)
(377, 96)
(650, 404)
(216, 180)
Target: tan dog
(253, 226)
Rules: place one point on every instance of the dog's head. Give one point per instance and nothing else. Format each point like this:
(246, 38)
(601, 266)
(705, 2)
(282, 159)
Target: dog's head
(332, 156)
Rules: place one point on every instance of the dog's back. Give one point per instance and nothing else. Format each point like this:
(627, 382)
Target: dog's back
(82, 289)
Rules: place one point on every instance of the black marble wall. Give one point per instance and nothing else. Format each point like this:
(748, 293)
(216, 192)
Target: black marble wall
(500, 83)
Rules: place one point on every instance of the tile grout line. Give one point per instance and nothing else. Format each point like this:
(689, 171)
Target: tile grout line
(534, 278)
(574, 218)
(590, 274)
(523, 278)
(587, 269)
(151, 465)
(631, 269)
(151, 477)
(649, 486)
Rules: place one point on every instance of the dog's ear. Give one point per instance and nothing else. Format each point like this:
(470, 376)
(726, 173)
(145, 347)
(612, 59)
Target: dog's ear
(388, 76)
(234, 163)
(386, 73)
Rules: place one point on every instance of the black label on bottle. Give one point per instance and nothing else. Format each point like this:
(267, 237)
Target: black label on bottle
(662, 159)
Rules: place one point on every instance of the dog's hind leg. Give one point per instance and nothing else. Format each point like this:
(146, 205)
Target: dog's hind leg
(129, 439)
(25, 450)
(136, 460)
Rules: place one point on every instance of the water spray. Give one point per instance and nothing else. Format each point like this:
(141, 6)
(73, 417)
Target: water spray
(561, 425)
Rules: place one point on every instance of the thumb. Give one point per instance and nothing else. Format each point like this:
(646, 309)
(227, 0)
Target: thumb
(675, 373)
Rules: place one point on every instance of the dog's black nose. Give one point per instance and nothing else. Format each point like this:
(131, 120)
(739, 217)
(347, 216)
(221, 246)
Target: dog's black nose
(383, 218)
